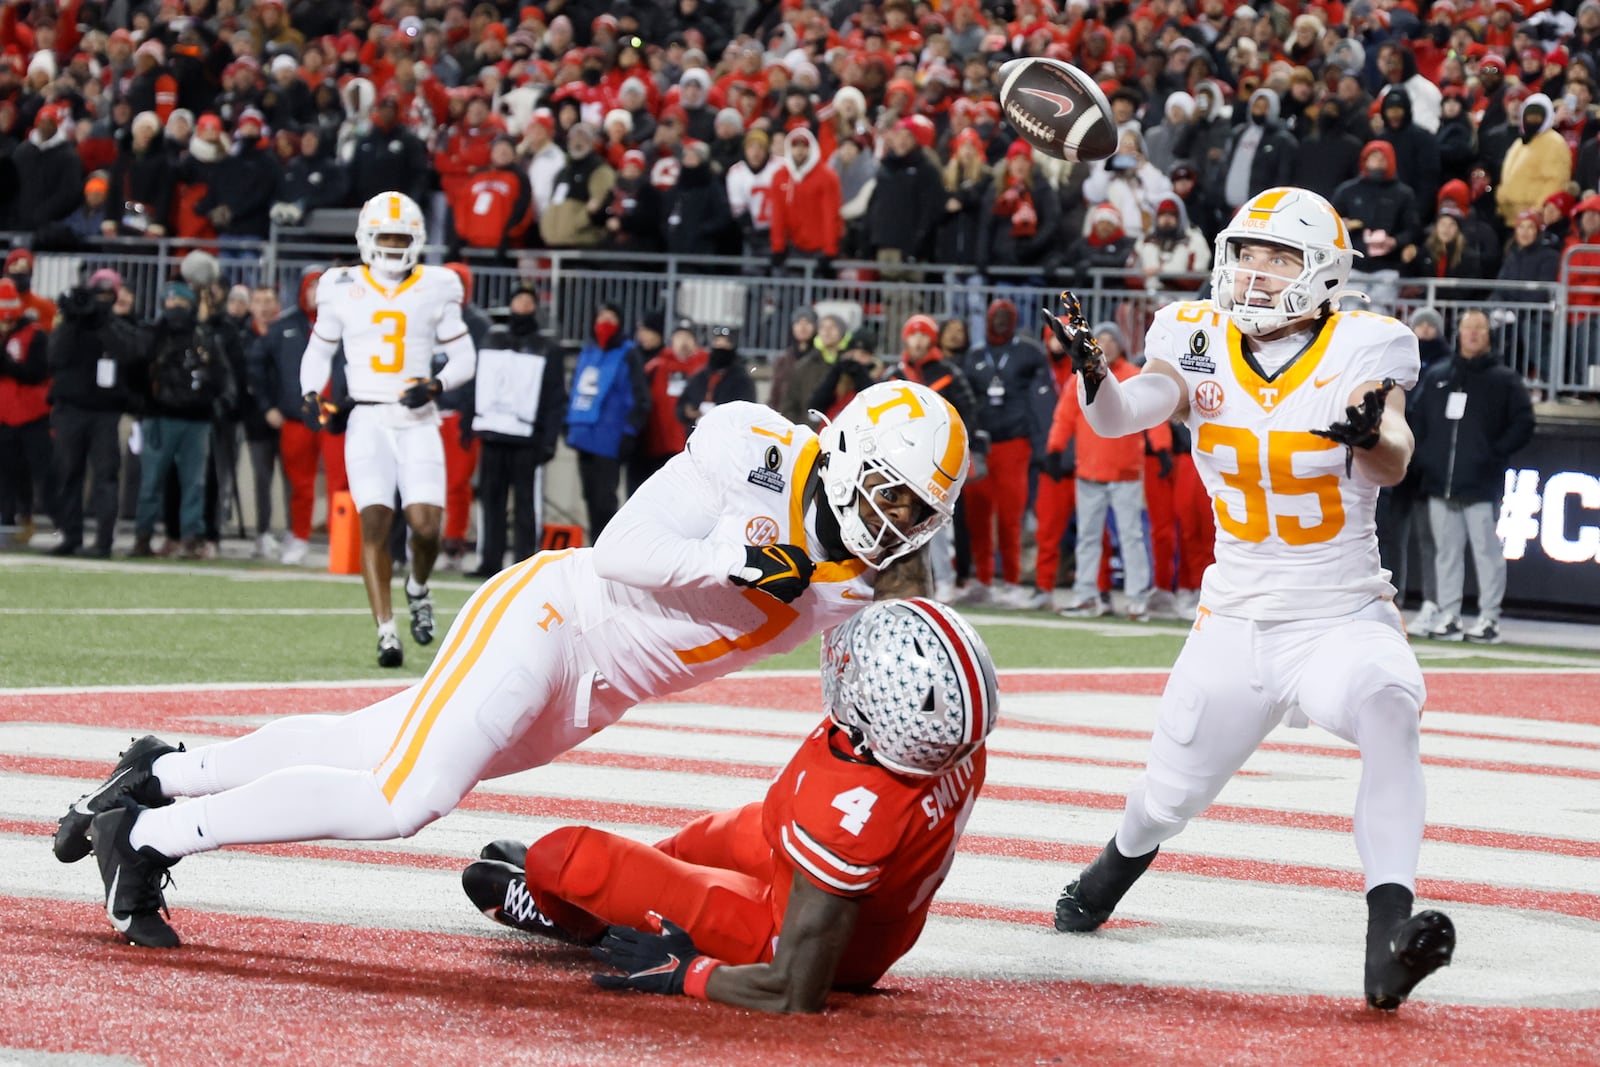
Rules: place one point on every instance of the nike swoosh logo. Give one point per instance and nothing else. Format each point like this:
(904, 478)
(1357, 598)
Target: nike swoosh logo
(111, 895)
(852, 595)
(1063, 104)
(82, 804)
(665, 968)
(1320, 382)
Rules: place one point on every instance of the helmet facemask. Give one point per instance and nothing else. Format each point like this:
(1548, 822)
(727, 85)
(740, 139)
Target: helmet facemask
(1295, 301)
(1285, 218)
(395, 261)
(890, 542)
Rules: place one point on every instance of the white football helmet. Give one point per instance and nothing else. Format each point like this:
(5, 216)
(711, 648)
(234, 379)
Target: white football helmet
(911, 436)
(913, 685)
(1298, 219)
(391, 213)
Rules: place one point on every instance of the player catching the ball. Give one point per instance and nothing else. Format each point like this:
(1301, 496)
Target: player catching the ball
(822, 885)
(1296, 425)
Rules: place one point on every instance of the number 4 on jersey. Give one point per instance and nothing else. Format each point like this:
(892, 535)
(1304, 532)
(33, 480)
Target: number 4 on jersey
(857, 807)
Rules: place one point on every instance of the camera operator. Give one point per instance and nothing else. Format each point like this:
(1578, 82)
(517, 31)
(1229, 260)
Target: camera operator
(88, 397)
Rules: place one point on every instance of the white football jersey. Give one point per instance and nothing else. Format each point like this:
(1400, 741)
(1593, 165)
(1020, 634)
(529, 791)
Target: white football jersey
(390, 333)
(741, 482)
(1296, 538)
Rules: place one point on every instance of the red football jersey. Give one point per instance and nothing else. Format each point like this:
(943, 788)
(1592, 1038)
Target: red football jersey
(856, 830)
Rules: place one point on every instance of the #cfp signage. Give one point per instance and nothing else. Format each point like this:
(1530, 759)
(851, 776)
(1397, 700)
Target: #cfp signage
(1550, 518)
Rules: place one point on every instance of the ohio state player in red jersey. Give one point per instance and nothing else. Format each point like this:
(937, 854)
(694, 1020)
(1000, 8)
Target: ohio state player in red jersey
(825, 883)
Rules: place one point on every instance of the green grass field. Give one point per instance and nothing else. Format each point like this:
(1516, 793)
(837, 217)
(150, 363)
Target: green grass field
(79, 624)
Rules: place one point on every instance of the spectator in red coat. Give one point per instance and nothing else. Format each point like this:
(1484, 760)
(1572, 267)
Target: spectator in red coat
(668, 371)
(495, 207)
(805, 204)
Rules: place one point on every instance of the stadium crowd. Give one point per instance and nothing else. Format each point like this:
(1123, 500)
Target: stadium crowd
(1457, 141)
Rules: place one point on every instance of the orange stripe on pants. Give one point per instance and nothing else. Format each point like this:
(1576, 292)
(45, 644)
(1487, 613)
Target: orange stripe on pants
(584, 877)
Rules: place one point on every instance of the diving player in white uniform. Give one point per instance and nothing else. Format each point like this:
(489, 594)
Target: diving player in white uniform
(706, 569)
(1296, 426)
(392, 315)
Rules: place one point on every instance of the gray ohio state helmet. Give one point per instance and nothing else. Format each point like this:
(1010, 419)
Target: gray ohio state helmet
(912, 683)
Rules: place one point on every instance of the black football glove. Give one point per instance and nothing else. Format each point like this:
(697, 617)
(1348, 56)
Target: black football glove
(315, 412)
(782, 571)
(1078, 341)
(651, 962)
(1360, 426)
(420, 392)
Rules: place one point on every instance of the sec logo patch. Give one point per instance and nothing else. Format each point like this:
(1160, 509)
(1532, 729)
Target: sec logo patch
(761, 530)
(1208, 398)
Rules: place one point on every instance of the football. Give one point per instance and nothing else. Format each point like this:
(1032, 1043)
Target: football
(1058, 109)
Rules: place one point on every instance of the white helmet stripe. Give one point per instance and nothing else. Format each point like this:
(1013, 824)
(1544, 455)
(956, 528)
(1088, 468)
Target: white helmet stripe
(975, 706)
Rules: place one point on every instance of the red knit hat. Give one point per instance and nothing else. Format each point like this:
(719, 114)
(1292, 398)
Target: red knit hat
(920, 324)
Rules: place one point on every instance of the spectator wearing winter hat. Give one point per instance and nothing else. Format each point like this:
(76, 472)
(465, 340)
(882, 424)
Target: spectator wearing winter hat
(545, 159)
(749, 190)
(1581, 277)
(1381, 211)
(805, 205)
(389, 157)
(1555, 213)
(1171, 141)
(1416, 150)
(88, 221)
(142, 179)
(667, 370)
(1107, 246)
(1171, 249)
(286, 100)
(1527, 259)
(1259, 155)
(725, 379)
(633, 216)
(922, 362)
(1537, 164)
(1328, 154)
(49, 174)
(700, 118)
(240, 195)
(903, 214)
(19, 271)
(1019, 224)
(577, 211)
(153, 88)
(1585, 39)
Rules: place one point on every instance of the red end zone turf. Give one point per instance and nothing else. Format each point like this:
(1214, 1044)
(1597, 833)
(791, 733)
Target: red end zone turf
(253, 990)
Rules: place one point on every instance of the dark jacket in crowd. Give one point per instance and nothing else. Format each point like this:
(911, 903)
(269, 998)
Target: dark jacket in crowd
(79, 341)
(1004, 373)
(1536, 263)
(1466, 458)
(247, 184)
(153, 344)
(1328, 156)
(1273, 163)
(694, 213)
(272, 363)
(1416, 151)
(143, 178)
(946, 379)
(957, 239)
(1003, 243)
(315, 182)
(1458, 148)
(49, 182)
(907, 204)
(713, 384)
(1386, 204)
(392, 160)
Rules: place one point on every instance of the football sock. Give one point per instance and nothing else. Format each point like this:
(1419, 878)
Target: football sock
(413, 588)
(175, 831)
(387, 628)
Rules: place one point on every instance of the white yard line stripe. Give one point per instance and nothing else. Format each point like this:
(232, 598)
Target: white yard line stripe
(188, 611)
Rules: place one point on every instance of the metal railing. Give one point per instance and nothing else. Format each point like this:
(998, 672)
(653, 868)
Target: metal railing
(1548, 331)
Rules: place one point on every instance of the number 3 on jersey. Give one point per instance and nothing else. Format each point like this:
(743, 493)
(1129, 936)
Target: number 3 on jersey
(395, 339)
(1257, 522)
(857, 807)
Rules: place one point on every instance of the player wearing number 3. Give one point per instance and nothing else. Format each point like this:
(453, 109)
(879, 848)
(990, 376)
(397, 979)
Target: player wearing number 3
(758, 536)
(392, 315)
(827, 881)
(1296, 427)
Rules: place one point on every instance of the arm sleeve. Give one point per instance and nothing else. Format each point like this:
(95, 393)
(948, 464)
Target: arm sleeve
(1142, 402)
(461, 360)
(317, 362)
(660, 537)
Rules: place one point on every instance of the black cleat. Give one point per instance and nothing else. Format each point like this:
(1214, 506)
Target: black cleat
(390, 654)
(131, 777)
(506, 851)
(500, 891)
(421, 617)
(1089, 901)
(133, 879)
(1418, 947)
